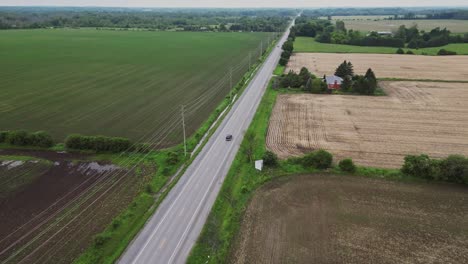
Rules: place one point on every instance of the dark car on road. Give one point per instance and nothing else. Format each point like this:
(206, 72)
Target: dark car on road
(228, 137)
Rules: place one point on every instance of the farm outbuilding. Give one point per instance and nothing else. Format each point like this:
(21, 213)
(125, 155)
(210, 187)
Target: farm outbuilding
(333, 82)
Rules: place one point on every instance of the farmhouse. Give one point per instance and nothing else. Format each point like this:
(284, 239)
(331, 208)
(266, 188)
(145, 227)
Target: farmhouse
(333, 82)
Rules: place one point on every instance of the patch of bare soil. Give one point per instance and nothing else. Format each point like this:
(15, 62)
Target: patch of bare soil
(415, 118)
(55, 217)
(345, 219)
(385, 65)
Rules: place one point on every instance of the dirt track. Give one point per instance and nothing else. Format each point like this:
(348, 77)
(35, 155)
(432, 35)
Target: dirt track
(415, 118)
(345, 219)
(386, 65)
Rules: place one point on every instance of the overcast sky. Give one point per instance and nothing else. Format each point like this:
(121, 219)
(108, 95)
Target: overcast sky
(236, 3)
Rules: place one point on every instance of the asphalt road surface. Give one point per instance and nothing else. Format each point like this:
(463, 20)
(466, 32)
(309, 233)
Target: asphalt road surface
(171, 232)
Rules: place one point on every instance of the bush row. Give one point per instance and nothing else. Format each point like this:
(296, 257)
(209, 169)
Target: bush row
(98, 143)
(452, 169)
(23, 138)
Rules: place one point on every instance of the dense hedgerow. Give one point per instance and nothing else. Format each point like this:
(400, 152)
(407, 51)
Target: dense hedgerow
(319, 159)
(98, 143)
(452, 169)
(23, 138)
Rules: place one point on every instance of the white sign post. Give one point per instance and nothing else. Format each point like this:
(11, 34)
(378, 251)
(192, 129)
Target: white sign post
(259, 164)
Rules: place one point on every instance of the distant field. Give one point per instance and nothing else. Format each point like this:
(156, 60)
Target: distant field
(448, 68)
(364, 24)
(306, 44)
(415, 118)
(116, 83)
(350, 219)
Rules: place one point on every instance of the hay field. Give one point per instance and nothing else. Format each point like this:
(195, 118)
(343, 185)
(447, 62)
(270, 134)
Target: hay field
(344, 219)
(447, 68)
(415, 118)
(115, 83)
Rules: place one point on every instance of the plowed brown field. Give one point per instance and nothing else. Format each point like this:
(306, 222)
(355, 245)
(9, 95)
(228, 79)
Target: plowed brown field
(343, 219)
(415, 118)
(55, 217)
(386, 65)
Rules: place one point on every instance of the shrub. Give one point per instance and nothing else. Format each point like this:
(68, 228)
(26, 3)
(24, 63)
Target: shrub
(41, 139)
(444, 52)
(270, 159)
(319, 159)
(347, 165)
(400, 51)
(98, 143)
(3, 135)
(410, 52)
(172, 158)
(420, 166)
(454, 169)
(18, 138)
(101, 239)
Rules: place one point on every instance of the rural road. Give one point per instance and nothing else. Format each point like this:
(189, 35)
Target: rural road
(171, 232)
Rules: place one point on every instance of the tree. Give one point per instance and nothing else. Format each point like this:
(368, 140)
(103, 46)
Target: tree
(305, 75)
(345, 69)
(318, 86)
(342, 71)
(270, 159)
(340, 26)
(347, 83)
(400, 51)
(370, 75)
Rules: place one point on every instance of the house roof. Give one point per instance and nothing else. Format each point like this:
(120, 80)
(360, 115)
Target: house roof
(333, 78)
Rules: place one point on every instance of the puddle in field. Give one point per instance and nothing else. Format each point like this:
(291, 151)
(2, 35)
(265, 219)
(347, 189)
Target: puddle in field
(11, 164)
(94, 167)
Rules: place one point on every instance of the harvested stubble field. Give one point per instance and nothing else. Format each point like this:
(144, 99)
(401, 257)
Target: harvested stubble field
(346, 219)
(447, 68)
(115, 83)
(415, 118)
(370, 24)
(55, 216)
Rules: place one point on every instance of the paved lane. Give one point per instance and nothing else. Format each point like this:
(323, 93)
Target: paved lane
(172, 231)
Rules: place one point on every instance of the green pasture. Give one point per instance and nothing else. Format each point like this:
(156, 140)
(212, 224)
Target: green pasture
(116, 83)
(306, 44)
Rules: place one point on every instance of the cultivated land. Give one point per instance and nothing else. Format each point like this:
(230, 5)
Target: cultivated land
(115, 83)
(306, 44)
(415, 118)
(59, 203)
(446, 68)
(345, 219)
(370, 24)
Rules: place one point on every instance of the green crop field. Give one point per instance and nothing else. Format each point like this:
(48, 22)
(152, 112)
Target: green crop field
(306, 44)
(115, 83)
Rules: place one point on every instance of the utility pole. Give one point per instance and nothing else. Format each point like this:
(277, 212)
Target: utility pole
(230, 83)
(261, 49)
(183, 127)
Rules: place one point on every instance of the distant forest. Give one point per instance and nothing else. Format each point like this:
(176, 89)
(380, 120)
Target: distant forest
(259, 20)
(396, 13)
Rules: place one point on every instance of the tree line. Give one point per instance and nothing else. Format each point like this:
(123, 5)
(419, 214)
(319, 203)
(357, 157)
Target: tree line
(262, 20)
(325, 32)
